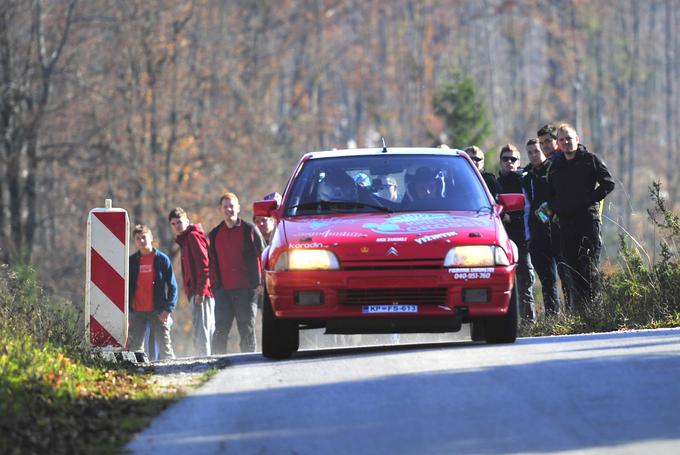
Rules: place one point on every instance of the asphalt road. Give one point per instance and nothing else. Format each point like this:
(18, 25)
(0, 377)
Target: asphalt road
(601, 393)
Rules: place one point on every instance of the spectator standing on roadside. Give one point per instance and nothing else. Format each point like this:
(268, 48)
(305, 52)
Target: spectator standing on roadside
(578, 181)
(477, 156)
(547, 140)
(510, 179)
(196, 278)
(235, 247)
(152, 294)
(538, 232)
(267, 224)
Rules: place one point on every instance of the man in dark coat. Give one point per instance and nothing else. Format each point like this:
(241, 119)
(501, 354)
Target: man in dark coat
(510, 179)
(578, 181)
(538, 230)
(477, 156)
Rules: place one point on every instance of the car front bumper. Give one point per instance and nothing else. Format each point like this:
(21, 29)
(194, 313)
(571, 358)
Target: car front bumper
(390, 293)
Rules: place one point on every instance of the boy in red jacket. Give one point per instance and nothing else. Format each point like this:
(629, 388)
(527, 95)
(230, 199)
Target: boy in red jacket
(195, 275)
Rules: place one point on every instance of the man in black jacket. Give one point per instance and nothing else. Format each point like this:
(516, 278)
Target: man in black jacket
(547, 139)
(511, 182)
(539, 227)
(477, 156)
(578, 181)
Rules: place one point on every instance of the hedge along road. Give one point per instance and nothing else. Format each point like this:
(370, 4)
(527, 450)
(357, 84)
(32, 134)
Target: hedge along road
(598, 393)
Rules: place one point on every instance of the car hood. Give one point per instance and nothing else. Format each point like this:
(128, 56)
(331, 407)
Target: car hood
(382, 236)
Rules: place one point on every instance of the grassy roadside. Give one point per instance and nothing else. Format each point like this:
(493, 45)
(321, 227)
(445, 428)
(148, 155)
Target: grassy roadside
(55, 397)
(50, 403)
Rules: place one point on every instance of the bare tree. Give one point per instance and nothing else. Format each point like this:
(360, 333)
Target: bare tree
(32, 40)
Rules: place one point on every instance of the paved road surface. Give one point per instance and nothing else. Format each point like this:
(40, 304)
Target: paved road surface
(601, 393)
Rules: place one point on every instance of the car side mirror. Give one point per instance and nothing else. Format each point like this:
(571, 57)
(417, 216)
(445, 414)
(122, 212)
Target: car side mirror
(264, 208)
(511, 202)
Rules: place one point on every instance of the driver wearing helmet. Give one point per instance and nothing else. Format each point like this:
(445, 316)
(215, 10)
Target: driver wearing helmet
(424, 184)
(425, 189)
(336, 187)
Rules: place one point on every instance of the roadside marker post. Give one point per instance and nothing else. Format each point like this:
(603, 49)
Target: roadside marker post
(106, 282)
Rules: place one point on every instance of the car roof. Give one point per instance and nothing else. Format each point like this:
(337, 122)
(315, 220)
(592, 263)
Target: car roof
(382, 151)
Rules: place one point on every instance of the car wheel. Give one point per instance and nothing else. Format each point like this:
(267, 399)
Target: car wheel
(503, 329)
(280, 338)
(477, 332)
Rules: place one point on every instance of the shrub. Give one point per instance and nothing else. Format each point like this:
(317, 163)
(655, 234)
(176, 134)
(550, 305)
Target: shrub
(26, 311)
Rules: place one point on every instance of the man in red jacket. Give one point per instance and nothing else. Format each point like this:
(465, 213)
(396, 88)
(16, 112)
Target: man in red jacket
(196, 277)
(235, 248)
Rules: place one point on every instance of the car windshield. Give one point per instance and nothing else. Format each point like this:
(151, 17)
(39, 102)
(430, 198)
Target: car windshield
(381, 183)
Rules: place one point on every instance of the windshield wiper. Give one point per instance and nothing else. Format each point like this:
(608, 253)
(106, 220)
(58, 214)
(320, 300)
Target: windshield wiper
(306, 206)
(372, 206)
(332, 205)
(485, 208)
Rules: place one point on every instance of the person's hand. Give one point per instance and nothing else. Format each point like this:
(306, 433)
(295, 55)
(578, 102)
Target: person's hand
(163, 317)
(199, 299)
(259, 289)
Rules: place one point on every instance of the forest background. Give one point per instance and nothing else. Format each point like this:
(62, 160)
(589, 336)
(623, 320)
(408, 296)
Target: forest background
(160, 103)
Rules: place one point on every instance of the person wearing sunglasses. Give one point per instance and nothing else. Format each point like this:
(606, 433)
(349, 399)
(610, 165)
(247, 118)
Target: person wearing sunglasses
(510, 179)
(477, 156)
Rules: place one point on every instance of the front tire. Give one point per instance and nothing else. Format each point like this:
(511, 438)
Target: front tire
(477, 330)
(503, 329)
(280, 338)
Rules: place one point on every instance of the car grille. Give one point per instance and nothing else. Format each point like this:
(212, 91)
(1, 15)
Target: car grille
(407, 296)
(423, 264)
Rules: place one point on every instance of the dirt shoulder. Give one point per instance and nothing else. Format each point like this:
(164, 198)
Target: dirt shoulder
(184, 374)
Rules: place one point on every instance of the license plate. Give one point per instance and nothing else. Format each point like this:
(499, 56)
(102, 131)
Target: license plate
(390, 309)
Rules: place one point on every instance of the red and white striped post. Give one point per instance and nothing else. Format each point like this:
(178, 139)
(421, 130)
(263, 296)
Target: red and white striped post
(106, 285)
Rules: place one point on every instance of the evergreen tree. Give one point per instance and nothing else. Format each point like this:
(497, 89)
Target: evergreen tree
(460, 104)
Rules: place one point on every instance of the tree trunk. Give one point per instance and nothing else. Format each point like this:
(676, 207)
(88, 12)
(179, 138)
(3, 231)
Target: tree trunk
(670, 127)
(632, 126)
(31, 170)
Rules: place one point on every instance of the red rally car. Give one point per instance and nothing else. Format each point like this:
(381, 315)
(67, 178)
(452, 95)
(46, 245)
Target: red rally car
(382, 240)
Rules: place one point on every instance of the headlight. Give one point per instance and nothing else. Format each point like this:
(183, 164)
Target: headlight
(307, 260)
(476, 256)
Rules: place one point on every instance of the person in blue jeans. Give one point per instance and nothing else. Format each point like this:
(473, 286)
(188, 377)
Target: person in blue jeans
(152, 294)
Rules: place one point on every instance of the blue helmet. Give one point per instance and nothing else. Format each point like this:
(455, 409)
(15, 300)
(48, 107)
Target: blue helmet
(363, 180)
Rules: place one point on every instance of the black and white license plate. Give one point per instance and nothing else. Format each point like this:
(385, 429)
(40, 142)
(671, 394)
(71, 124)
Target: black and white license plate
(390, 309)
